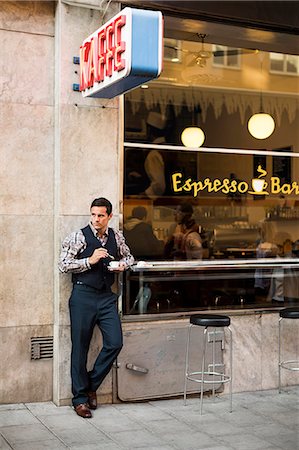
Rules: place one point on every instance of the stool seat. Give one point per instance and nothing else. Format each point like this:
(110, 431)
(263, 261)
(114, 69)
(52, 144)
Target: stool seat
(211, 320)
(290, 313)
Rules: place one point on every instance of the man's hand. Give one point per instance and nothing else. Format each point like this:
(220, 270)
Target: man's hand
(98, 254)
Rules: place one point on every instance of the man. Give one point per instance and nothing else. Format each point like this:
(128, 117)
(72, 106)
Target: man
(86, 254)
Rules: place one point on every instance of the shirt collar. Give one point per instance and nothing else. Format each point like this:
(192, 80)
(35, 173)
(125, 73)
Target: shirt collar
(95, 231)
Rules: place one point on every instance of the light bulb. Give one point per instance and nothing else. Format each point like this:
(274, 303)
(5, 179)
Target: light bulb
(261, 125)
(193, 137)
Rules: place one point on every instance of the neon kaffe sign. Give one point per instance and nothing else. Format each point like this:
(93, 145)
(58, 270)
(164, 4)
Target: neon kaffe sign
(259, 186)
(124, 53)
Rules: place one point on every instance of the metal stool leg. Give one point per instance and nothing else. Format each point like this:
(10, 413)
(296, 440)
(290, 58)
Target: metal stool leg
(279, 355)
(213, 363)
(231, 369)
(203, 367)
(187, 364)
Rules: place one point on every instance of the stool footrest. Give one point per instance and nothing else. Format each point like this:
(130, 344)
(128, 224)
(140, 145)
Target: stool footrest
(224, 378)
(286, 365)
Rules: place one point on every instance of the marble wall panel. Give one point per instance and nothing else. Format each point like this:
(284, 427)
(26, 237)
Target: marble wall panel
(26, 284)
(28, 16)
(269, 348)
(62, 369)
(23, 379)
(26, 68)
(89, 159)
(26, 160)
(255, 352)
(247, 353)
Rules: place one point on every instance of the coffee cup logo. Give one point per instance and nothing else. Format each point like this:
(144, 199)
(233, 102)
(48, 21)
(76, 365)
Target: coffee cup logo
(258, 185)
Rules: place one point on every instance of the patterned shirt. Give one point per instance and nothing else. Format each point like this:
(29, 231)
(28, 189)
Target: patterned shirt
(75, 243)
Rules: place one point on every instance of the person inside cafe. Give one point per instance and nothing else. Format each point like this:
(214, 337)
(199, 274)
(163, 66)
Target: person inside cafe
(140, 236)
(184, 240)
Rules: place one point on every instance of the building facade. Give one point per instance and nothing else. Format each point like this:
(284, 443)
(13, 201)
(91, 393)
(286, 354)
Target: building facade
(59, 151)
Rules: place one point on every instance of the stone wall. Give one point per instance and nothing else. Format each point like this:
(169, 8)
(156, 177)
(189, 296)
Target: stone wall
(58, 152)
(26, 206)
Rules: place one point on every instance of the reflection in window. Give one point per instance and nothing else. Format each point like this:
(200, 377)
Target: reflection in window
(172, 50)
(280, 63)
(226, 56)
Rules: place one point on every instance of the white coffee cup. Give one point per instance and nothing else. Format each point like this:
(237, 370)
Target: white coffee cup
(114, 265)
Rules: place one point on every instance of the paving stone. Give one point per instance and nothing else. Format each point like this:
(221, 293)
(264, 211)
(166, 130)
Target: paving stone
(187, 441)
(138, 438)
(246, 442)
(63, 421)
(26, 433)
(40, 445)
(82, 434)
(285, 439)
(48, 408)
(3, 444)
(101, 446)
(164, 427)
(110, 424)
(13, 406)
(164, 447)
(220, 428)
(144, 412)
(18, 417)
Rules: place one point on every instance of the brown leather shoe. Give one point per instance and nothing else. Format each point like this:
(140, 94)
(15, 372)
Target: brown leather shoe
(92, 400)
(83, 411)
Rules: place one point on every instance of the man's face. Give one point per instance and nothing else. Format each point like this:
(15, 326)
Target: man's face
(100, 218)
(178, 215)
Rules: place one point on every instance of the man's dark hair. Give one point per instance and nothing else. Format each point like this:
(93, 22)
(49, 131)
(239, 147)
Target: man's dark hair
(139, 212)
(186, 208)
(101, 201)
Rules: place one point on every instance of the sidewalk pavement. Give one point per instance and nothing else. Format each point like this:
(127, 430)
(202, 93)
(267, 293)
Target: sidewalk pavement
(264, 420)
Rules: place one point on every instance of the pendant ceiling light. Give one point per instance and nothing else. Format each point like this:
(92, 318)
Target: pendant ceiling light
(193, 136)
(261, 125)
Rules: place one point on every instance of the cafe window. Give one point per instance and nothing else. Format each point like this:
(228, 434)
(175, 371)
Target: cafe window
(213, 227)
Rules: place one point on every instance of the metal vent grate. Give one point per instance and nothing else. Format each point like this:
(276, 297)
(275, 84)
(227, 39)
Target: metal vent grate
(42, 347)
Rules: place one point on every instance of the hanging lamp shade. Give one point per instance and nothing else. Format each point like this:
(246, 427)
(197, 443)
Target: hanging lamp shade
(193, 137)
(261, 125)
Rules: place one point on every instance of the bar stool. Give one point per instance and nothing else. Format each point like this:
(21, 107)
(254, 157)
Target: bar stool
(208, 321)
(293, 365)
